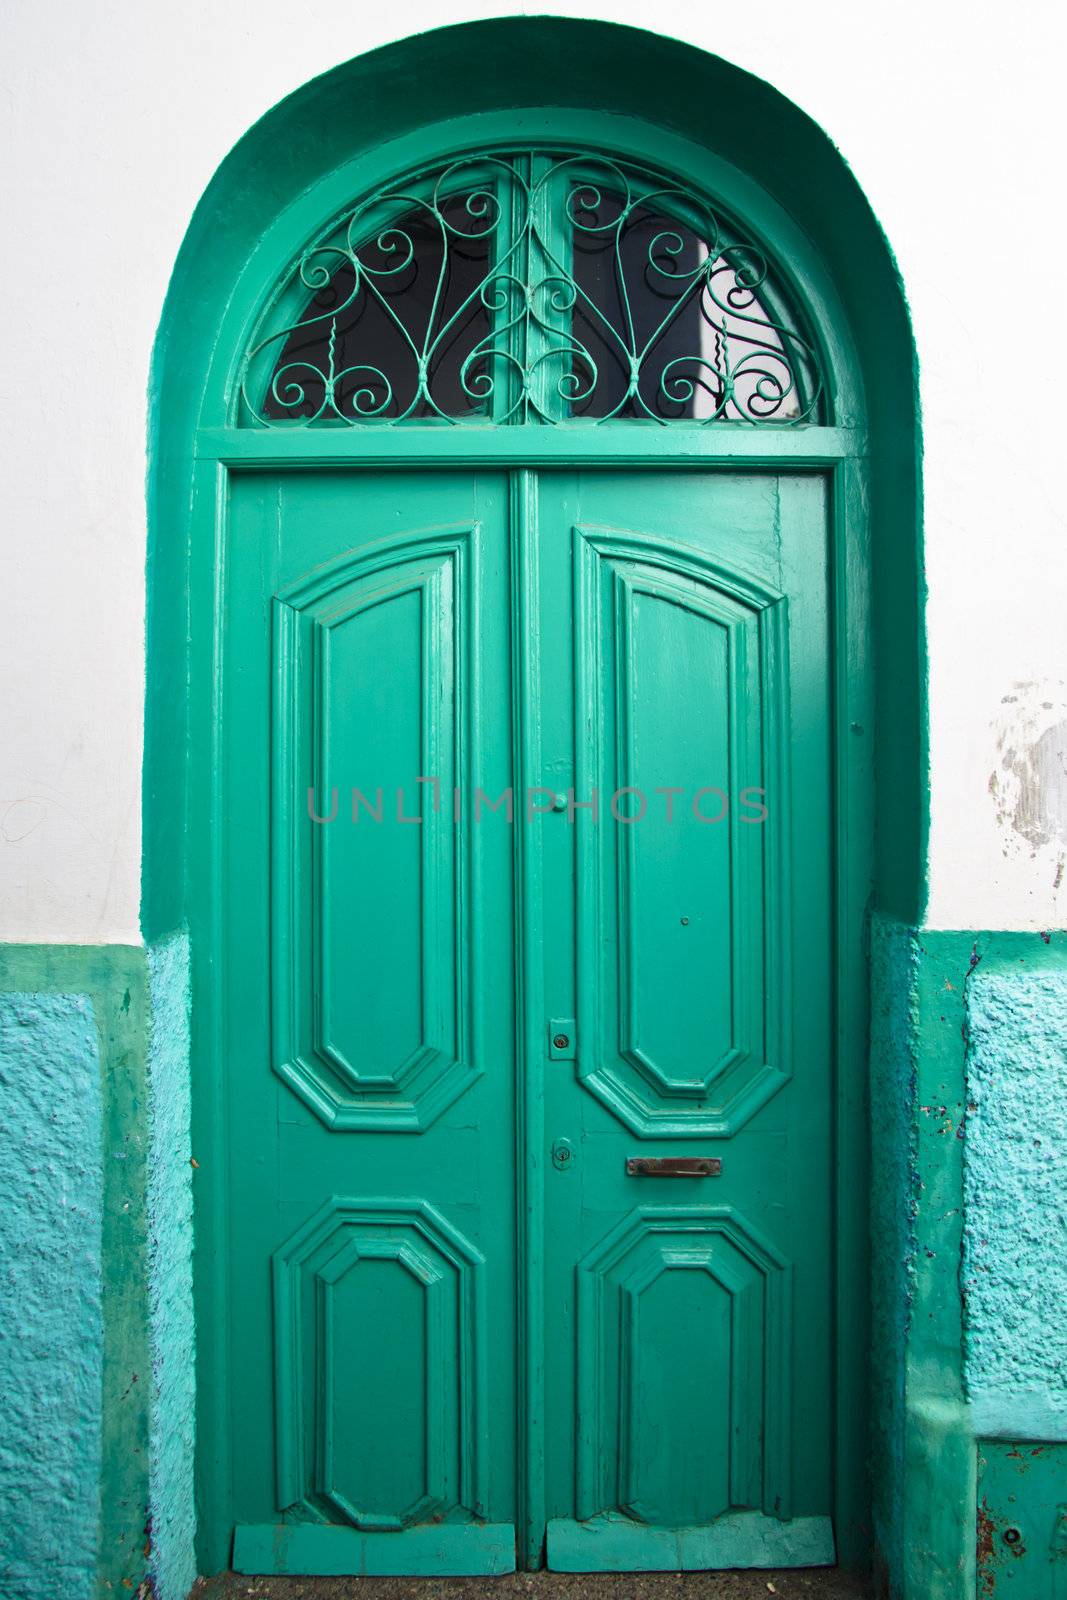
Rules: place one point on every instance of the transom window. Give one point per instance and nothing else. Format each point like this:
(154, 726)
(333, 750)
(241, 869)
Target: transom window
(531, 287)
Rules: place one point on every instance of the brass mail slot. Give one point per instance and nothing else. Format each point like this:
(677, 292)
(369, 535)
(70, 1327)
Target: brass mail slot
(673, 1166)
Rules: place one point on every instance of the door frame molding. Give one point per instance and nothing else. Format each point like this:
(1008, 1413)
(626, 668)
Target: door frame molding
(214, 300)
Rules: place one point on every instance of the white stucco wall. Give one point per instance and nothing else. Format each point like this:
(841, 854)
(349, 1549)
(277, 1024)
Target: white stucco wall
(114, 116)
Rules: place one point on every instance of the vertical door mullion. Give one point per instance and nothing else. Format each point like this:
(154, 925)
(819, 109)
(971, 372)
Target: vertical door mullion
(529, 1007)
(532, 334)
(510, 274)
(546, 362)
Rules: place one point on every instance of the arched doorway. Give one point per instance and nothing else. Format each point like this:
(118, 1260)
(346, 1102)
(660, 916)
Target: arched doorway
(529, 831)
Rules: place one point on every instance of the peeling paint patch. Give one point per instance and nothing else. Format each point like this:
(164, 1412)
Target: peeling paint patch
(1029, 784)
(985, 1549)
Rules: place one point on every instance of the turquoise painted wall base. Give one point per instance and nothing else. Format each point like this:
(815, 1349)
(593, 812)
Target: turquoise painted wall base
(965, 1027)
(51, 1295)
(74, 1488)
(968, 1059)
(96, 1448)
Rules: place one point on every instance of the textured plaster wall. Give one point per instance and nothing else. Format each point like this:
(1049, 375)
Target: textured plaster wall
(170, 1279)
(96, 1314)
(1015, 1264)
(74, 1374)
(51, 1296)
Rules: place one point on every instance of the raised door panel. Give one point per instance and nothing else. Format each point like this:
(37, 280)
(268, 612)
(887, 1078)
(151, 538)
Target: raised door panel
(380, 1367)
(683, 1339)
(372, 936)
(680, 733)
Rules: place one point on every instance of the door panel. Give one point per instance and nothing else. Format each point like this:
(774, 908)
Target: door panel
(681, 1392)
(376, 679)
(369, 1058)
(680, 727)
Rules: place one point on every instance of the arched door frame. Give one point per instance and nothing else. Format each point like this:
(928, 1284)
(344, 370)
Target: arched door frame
(271, 208)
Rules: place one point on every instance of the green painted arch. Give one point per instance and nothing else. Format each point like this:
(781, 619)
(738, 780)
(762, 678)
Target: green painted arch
(770, 167)
(765, 161)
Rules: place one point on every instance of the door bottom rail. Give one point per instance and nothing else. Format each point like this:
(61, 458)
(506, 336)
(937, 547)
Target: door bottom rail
(614, 1543)
(314, 1549)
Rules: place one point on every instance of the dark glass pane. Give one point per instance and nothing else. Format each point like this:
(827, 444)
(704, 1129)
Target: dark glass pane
(355, 352)
(652, 296)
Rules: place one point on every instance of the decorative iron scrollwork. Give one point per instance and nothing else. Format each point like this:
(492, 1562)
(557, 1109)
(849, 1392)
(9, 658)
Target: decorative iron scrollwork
(531, 287)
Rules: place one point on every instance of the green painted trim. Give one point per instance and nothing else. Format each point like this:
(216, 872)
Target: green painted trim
(1019, 951)
(569, 445)
(938, 1448)
(925, 1448)
(449, 1550)
(853, 694)
(738, 1539)
(115, 979)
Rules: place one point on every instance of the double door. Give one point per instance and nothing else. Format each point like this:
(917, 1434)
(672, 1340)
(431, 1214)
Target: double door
(526, 1053)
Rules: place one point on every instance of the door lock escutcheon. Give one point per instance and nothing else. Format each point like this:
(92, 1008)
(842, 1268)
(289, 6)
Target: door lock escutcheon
(562, 1040)
(563, 1155)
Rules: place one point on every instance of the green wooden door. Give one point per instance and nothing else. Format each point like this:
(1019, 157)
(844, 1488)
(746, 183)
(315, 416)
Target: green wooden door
(370, 1027)
(686, 931)
(459, 1321)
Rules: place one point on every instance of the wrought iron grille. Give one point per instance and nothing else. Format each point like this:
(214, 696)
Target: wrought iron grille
(531, 287)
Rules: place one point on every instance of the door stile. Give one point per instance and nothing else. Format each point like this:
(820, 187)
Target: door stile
(852, 716)
(529, 1010)
(210, 1119)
